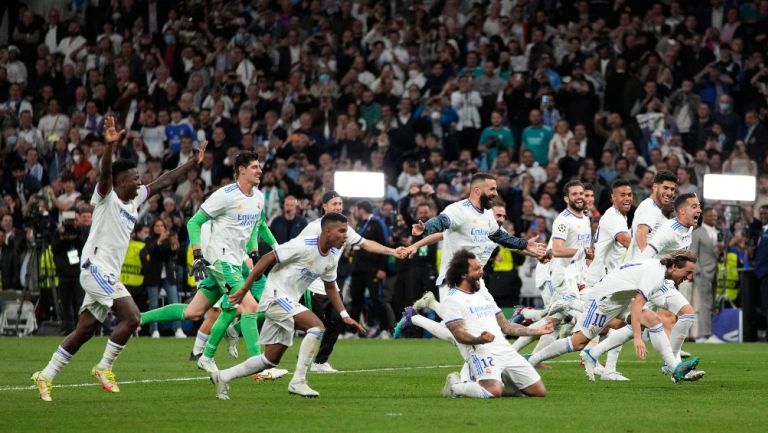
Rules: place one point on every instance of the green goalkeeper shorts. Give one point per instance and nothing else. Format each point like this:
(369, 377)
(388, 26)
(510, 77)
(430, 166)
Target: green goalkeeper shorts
(224, 278)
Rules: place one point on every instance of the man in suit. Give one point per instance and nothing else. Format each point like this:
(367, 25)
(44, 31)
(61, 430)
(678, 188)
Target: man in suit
(704, 243)
(760, 261)
(756, 137)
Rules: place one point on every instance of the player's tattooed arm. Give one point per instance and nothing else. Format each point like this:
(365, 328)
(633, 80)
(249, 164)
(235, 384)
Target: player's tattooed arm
(515, 330)
(434, 225)
(505, 239)
(462, 336)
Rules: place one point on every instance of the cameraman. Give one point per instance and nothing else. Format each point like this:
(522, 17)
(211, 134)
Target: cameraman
(67, 245)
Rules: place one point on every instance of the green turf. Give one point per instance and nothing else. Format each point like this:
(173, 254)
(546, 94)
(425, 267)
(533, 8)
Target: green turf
(406, 398)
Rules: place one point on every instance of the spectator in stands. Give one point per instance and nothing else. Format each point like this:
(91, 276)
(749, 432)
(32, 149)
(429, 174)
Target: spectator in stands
(288, 225)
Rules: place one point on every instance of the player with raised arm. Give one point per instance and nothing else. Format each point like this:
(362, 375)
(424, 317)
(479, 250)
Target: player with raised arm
(321, 303)
(673, 235)
(621, 293)
(233, 211)
(116, 201)
(480, 329)
(297, 263)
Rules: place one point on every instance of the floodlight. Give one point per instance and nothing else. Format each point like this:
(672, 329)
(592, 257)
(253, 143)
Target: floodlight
(730, 187)
(359, 184)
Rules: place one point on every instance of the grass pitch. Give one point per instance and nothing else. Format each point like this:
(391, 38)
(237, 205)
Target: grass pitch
(387, 386)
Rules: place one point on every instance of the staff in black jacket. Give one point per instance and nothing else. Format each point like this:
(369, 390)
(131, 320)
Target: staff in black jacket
(159, 258)
(67, 245)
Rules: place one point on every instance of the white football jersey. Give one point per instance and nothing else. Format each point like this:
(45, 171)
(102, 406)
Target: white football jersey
(478, 311)
(621, 285)
(314, 229)
(608, 251)
(299, 264)
(647, 214)
(113, 222)
(233, 216)
(671, 236)
(469, 231)
(575, 231)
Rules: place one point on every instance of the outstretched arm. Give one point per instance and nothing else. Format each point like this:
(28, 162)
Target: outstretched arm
(376, 248)
(437, 224)
(168, 178)
(515, 330)
(111, 136)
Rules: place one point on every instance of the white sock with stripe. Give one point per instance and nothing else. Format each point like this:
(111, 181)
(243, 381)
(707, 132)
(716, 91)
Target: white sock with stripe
(435, 306)
(110, 355)
(59, 359)
(661, 344)
(557, 348)
(252, 365)
(544, 341)
(680, 333)
(307, 351)
(437, 329)
(471, 389)
(200, 341)
(616, 337)
(521, 342)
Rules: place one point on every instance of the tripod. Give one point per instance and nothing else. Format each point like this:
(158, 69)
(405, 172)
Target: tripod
(40, 246)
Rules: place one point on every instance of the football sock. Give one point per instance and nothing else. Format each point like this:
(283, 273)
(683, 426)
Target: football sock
(557, 348)
(250, 330)
(437, 329)
(110, 355)
(252, 365)
(661, 344)
(471, 389)
(168, 313)
(59, 359)
(534, 314)
(612, 359)
(435, 306)
(544, 341)
(218, 331)
(616, 337)
(680, 332)
(307, 352)
(521, 342)
(200, 341)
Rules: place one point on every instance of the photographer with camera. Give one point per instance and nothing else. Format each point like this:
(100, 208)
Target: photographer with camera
(67, 245)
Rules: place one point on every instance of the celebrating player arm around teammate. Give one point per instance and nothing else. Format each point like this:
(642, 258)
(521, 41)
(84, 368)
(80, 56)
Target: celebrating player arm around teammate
(479, 327)
(297, 263)
(623, 292)
(116, 200)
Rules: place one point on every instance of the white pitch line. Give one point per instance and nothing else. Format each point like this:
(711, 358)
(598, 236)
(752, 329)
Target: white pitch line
(196, 378)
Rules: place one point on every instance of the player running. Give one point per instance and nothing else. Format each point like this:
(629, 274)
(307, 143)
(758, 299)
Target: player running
(297, 264)
(116, 201)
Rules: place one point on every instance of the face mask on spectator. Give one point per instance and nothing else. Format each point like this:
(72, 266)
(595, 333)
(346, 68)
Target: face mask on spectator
(413, 73)
(170, 39)
(11, 140)
(77, 158)
(725, 107)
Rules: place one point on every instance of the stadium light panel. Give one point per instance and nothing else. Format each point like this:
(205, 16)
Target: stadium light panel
(359, 184)
(729, 187)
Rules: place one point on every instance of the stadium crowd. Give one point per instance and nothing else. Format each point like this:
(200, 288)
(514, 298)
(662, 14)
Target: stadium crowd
(534, 92)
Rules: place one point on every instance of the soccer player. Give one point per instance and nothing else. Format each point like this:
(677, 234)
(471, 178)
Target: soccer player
(650, 214)
(233, 210)
(571, 241)
(673, 235)
(116, 201)
(611, 242)
(321, 303)
(468, 224)
(297, 264)
(480, 328)
(458, 226)
(625, 291)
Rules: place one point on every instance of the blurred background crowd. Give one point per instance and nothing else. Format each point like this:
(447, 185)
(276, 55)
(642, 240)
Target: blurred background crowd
(429, 92)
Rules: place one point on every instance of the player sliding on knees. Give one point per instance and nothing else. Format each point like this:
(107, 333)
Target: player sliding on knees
(479, 327)
(116, 201)
(468, 224)
(297, 264)
(621, 293)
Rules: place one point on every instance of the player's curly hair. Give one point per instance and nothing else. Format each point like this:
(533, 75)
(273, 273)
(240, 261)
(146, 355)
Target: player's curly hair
(458, 268)
(678, 258)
